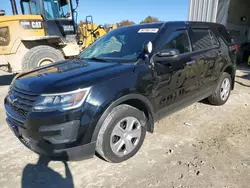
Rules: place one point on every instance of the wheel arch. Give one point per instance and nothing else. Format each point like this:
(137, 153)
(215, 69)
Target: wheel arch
(231, 71)
(136, 100)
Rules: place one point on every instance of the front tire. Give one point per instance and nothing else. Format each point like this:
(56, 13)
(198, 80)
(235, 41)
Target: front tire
(222, 91)
(122, 134)
(41, 55)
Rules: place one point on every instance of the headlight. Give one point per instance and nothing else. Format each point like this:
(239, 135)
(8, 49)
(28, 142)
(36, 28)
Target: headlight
(61, 101)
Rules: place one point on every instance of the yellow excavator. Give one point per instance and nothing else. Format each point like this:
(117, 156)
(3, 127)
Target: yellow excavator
(44, 33)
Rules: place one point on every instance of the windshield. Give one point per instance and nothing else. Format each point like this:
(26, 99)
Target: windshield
(123, 44)
(56, 9)
(31, 7)
(53, 9)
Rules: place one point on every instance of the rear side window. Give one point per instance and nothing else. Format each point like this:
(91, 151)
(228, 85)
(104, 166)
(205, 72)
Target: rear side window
(225, 34)
(204, 39)
(178, 40)
(215, 42)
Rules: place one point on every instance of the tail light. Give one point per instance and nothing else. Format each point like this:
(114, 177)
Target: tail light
(236, 47)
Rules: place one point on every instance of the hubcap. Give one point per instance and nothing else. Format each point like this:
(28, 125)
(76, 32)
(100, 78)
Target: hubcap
(125, 136)
(45, 61)
(225, 89)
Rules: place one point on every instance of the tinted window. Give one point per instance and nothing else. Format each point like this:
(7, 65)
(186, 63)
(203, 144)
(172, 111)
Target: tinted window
(178, 40)
(204, 39)
(123, 44)
(225, 34)
(214, 39)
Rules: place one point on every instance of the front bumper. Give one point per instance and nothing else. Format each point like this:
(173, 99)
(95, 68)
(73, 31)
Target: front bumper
(57, 135)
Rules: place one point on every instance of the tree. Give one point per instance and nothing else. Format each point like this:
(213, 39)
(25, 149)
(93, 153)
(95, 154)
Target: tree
(150, 19)
(125, 23)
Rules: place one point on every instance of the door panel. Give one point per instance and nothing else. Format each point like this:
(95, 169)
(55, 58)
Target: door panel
(207, 56)
(61, 28)
(171, 77)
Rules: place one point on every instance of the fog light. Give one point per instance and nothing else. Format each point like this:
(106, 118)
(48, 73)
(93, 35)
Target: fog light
(61, 133)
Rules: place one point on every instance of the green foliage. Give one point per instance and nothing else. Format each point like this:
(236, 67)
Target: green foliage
(125, 23)
(150, 19)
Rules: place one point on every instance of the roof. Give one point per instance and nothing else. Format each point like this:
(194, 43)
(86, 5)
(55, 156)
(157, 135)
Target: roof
(153, 25)
(175, 23)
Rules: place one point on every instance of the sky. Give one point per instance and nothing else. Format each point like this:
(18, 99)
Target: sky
(114, 11)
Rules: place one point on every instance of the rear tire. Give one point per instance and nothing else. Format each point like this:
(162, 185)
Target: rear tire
(41, 55)
(122, 134)
(222, 91)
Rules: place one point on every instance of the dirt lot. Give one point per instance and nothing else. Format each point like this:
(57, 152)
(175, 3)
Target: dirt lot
(200, 146)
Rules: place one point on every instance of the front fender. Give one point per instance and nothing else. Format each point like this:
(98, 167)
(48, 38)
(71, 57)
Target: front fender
(105, 96)
(105, 111)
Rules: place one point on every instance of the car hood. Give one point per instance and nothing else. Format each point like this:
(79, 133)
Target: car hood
(69, 75)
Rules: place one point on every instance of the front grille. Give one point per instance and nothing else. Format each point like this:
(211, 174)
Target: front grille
(23, 113)
(4, 36)
(21, 101)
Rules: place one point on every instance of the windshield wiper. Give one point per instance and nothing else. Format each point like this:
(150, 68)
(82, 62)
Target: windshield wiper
(96, 59)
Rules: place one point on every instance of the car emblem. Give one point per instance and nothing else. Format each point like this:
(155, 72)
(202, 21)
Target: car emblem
(13, 101)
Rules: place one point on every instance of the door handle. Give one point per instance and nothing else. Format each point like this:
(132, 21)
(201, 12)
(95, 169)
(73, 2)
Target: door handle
(190, 62)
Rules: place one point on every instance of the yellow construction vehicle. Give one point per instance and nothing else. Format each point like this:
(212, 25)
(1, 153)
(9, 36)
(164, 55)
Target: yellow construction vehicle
(91, 32)
(45, 32)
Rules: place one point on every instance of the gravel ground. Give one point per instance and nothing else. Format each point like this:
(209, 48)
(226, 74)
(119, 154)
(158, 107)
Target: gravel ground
(200, 146)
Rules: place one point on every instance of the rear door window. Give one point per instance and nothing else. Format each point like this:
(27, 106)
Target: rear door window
(215, 42)
(178, 40)
(204, 39)
(225, 34)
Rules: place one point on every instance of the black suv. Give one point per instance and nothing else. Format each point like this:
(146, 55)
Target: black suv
(106, 99)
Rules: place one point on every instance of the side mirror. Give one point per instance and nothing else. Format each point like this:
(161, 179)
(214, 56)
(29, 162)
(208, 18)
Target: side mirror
(148, 47)
(167, 55)
(2, 12)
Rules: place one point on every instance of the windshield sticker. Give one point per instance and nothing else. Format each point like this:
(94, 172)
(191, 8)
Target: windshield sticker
(148, 30)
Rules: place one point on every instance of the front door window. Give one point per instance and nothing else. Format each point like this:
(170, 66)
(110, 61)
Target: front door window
(178, 40)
